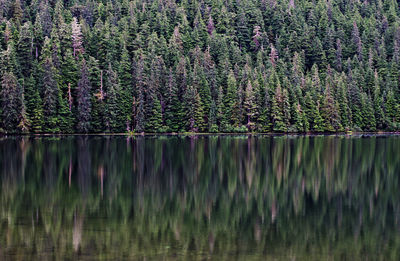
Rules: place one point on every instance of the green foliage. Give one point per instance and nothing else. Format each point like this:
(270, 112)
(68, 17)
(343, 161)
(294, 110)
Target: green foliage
(148, 62)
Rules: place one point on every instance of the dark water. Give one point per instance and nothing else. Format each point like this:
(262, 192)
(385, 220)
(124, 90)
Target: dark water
(197, 198)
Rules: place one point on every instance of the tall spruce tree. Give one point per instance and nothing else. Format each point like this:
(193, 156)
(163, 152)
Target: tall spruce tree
(10, 102)
(112, 111)
(50, 97)
(84, 100)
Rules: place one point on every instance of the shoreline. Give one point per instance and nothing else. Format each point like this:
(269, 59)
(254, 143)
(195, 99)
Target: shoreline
(203, 134)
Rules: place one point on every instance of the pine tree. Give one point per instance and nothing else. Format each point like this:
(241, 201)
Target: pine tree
(338, 62)
(84, 100)
(391, 109)
(153, 105)
(265, 113)
(250, 107)
(357, 41)
(69, 72)
(212, 118)
(112, 109)
(24, 50)
(140, 89)
(230, 101)
(378, 104)
(173, 112)
(313, 114)
(369, 123)
(301, 122)
(9, 102)
(329, 112)
(18, 13)
(221, 112)
(202, 86)
(355, 104)
(194, 110)
(126, 82)
(278, 120)
(65, 119)
(76, 37)
(36, 117)
(50, 97)
(344, 109)
(33, 103)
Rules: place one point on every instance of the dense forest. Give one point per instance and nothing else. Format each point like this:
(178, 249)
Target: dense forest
(79, 66)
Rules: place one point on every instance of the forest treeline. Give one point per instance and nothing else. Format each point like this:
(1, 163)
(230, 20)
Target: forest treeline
(78, 66)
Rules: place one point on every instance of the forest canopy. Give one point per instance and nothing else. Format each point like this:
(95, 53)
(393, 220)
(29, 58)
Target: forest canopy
(80, 66)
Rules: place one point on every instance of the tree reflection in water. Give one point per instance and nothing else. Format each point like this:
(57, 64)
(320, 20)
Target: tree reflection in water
(227, 197)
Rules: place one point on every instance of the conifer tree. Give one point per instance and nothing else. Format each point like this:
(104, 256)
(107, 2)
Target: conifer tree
(65, 116)
(369, 122)
(250, 107)
(84, 99)
(344, 109)
(230, 101)
(220, 110)
(126, 81)
(112, 109)
(76, 37)
(330, 112)
(10, 102)
(173, 112)
(17, 11)
(24, 50)
(34, 107)
(391, 109)
(140, 89)
(378, 104)
(265, 113)
(50, 97)
(278, 110)
(194, 111)
(153, 105)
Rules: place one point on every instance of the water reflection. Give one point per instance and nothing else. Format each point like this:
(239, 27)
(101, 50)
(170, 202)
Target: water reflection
(192, 198)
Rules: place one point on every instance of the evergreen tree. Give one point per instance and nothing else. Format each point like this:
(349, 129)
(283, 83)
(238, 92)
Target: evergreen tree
(369, 122)
(84, 101)
(344, 109)
(278, 110)
(140, 89)
(126, 82)
(330, 112)
(10, 102)
(50, 97)
(34, 106)
(24, 50)
(112, 109)
(391, 109)
(378, 104)
(77, 44)
(250, 107)
(173, 112)
(65, 116)
(153, 105)
(265, 113)
(230, 103)
(194, 111)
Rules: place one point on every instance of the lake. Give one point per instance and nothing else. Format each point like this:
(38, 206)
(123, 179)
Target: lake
(200, 197)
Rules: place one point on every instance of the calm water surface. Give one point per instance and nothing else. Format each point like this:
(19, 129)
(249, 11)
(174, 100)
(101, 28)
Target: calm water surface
(197, 198)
